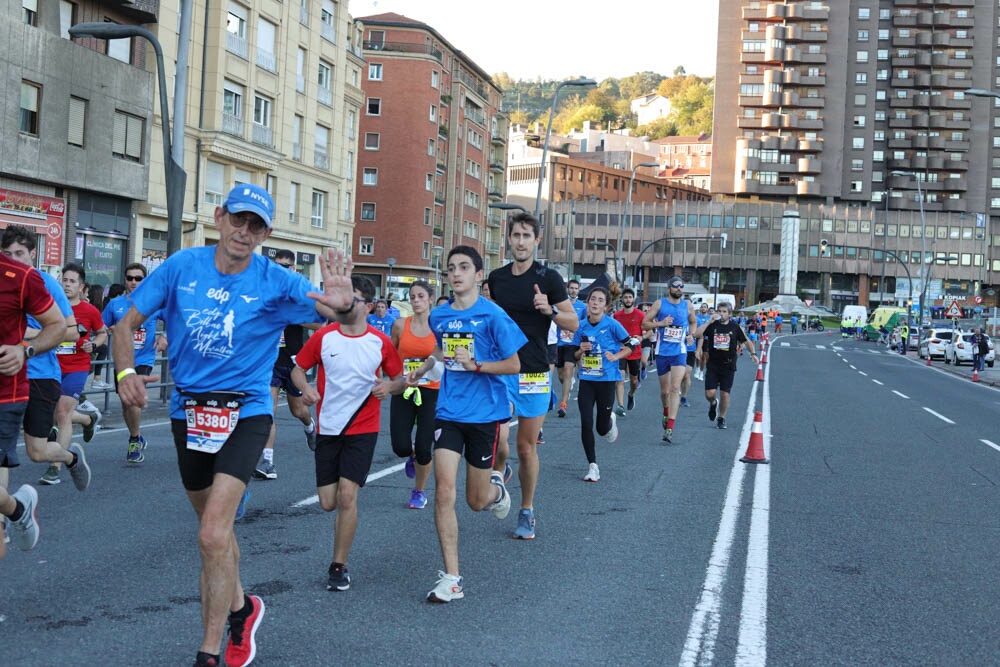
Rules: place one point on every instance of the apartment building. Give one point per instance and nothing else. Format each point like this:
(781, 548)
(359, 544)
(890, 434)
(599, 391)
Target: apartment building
(863, 103)
(273, 98)
(73, 163)
(431, 158)
(687, 159)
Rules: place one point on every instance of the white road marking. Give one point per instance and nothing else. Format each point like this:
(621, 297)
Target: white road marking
(863, 373)
(939, 416)
(312, 500)
(877, 382)
(786, 345)
(853, 367)
(821, 347)
(991, 444)
(899, 394)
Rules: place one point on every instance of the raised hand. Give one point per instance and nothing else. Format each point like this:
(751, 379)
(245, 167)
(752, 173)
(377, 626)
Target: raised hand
(338, 293)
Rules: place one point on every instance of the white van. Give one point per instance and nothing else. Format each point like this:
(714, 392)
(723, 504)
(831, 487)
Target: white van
(852, 313)
(709, 298)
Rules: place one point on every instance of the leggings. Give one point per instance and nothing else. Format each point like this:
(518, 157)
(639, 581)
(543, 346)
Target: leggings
(403, 413)
(603, 395)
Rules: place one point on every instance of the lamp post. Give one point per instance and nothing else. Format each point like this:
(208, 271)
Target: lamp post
(979, 92)
(437, 250)
(174, 173)
(628, 212)
(506, 206)
(885, 236)
(605, 244)
(923, 246)
(548, 133)
(391, 262)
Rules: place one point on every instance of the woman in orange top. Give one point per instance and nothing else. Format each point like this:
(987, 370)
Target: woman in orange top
(415, 341)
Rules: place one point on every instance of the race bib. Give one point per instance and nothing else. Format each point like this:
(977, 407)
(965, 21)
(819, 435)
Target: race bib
(533, 383)
(720, 341)
(412, 364)
(211, 419)
(281, 341)
(672, 335)
(139, 338)
(453, 341)
(592, 365)
(66, 348)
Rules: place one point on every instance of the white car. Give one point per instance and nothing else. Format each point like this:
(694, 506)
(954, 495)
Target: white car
(933, 343)
(960, 349)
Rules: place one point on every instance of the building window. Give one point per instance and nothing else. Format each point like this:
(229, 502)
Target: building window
(77, 120)
(352, 122)
(265, 45)
(236, 30)
(861, 78)
(374, 106)
(215, 182)
(370, 176)
(293, 202)
(371, 141)
(425, 252)
(429, 182)
(859, 121)
(470, 230)
(432, 116)
(321, 158)
(374, 71)
(67, 17)
(29, 12)
(232, 108)
(262, 111)
(368, 210)
(428, 217)
(324, 91)
(318, 208)
(350, 165)
(300, 71)
(864, 13)
(128, 136)
(366, 245)
(430, 147)
(862, 35)
(861, 57)
(435, 79)
(327, 20)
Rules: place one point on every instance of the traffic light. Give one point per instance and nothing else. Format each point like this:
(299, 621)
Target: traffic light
(823, 248)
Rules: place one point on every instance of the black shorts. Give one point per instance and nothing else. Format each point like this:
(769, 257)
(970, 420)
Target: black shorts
(647, 343)
(690, 358)
(40, 415)
(139, 370)
(237, 458)
(281, 377)
(719, 377)
(479, 441)
(553, 354)
(347, 456)
(630, 365)
(565, 355)
(11, 416)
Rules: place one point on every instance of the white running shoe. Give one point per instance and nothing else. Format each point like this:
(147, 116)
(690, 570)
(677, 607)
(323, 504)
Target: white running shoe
(448, 588)
(613, 433)
(500, 507)
(593, 473)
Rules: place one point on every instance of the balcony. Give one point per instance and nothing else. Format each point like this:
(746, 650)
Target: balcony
(810, 165)
(495, 195)
(232, 124)
(496, 166)
(808, 189)
(320, 159)
(494, 220)
(807, 146)
(236, 44)
(402, 47)
(324, 96)
(266, 60)
(438, 231)
(261, 135)
(492, 248)
(327, 31)
(498, 138)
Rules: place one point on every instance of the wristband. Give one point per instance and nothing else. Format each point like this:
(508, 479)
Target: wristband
(124, 372)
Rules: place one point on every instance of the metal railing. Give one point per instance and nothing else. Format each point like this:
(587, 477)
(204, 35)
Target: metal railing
(104, 373)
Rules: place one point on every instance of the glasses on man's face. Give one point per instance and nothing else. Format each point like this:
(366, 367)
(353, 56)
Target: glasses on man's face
(238, 220)
(137, 279)
(287, 266)
(677, 286)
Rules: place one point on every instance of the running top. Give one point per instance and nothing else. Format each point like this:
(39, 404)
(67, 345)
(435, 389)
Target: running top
(224, 328)
(143, 338)
(566, 337)
(72, 358)
(383, 324)
(414, 350)
(45, 366)
(516, 296)
(672, 340)
(22, 291)
(701, 319)
(633, 325)
(608, 335)
(722, 342)
(490, 335)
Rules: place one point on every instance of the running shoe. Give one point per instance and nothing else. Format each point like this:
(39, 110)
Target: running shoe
(620, 411)
(630, 402)
(684, 402)
(81, 471)
(541, 439)
(668, 435)
(26, 528)
(311, 435)
(134, 453)
(265, 470)
(525, 525)
(339, 579)
(711, 410)
(562, 409)
(418, 499)
(206, 660)
(642, 373)
(89, 409)
(99, 385)
(241, 509)
(142, 442)
(50, 477)
(499, 508)
(721, 423)
(410, 467)
(593, 473)
(6, 530)
(448, 588)
(241, 648)
(613, 433)
(508, 472)
(664, 421)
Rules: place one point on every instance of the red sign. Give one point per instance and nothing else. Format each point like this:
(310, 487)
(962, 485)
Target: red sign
(46, 215)
(954, 310)
(979, 299)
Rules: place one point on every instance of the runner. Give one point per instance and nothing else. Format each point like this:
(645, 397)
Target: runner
(381, 319)
(631, 318)
(724, 337)
(415, 342)
(703, 315)
(648, 340)
(673, 319)
(222, 387)
(476, 341)
(22, 293)
(146, 342)
(532, 295)
(292, 340)
(44, 374)
(565, 353)
(350, 354)
(602, 342)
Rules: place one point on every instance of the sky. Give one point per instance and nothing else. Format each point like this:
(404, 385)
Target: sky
(555, 39)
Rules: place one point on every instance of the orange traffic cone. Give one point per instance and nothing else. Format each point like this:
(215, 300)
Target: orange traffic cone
(763, 355)
(755, 449)
(975, 375)
(760, 372)
(928, 358)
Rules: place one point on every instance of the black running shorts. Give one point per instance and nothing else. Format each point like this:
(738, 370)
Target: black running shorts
(478, 441)
(40, 415)
(237, 457)
(347, 456)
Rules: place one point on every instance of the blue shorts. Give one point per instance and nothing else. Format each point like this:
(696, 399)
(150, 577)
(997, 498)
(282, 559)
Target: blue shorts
(527, 405)
(664, 364)
(72, 383)
(281, 377)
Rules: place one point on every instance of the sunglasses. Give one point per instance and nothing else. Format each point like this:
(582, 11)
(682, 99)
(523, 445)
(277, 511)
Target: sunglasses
(137, 279)
(287, 266)
(676, 285)
(239, 220)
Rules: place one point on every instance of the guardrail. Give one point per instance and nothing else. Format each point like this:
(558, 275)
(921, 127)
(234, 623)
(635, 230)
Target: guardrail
(104, 372)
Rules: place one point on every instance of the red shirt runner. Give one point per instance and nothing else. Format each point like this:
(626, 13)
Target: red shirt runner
(22, 292)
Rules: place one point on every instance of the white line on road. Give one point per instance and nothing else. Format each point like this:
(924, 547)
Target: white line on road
(877, 382)
(899, 394)
(863, 373)
(821, 347)
(991, 444)
(939, 416)
(853, 367)
(312, 500)
(786, 345)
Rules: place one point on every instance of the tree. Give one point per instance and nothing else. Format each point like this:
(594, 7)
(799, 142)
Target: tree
(692, 109)
(639, 84)
(659, 128)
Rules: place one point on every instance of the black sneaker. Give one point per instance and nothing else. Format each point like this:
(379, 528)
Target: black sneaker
(630, 403)
(721, 422)
(206, 660)
(668, 435)
(339, 579)
(711, 410)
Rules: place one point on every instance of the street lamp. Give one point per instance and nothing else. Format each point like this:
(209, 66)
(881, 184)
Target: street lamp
(628, 212)
(391, 261)
(548, 133)
(923, 245)
(979, 92)
(885, 236)
(172, 159)
(437, 250)
(605, 244)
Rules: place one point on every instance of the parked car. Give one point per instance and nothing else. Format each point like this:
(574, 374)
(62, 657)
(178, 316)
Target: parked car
(960, 349)
(933, 343)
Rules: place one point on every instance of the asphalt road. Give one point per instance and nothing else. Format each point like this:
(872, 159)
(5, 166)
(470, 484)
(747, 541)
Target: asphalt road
(875, 545)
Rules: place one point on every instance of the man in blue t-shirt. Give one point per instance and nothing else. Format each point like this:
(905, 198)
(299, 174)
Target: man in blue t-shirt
(477, 344)
(381, 319)
(146, 342)
(225, 307)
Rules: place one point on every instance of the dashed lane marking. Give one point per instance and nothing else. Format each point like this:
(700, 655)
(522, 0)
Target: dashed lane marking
(939, 416)
(991, 444)
(899, 394)
(877, 382)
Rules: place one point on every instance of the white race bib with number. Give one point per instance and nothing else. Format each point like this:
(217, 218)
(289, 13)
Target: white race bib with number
(533, 383)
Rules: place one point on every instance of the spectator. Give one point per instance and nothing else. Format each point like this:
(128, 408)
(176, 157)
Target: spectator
(980, 348)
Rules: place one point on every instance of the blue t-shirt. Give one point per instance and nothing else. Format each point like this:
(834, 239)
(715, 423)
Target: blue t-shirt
(795, 320)
(45, 366)
(383, 324)
(608, 335)
(144, 338)
(701, 319)
(566, 337)
(672, 340)
(466, 396)
(224, 328)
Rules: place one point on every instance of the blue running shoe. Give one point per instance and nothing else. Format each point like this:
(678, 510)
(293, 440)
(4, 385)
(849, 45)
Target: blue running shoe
(134, 452)
(684, 402)
(418, 500)
(410, 468)
(242, 508)
(142, 442)
(508, 472)
(642, 373)
(525, 525)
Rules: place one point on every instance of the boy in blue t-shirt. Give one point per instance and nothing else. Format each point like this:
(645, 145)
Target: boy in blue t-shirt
(477, 343)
